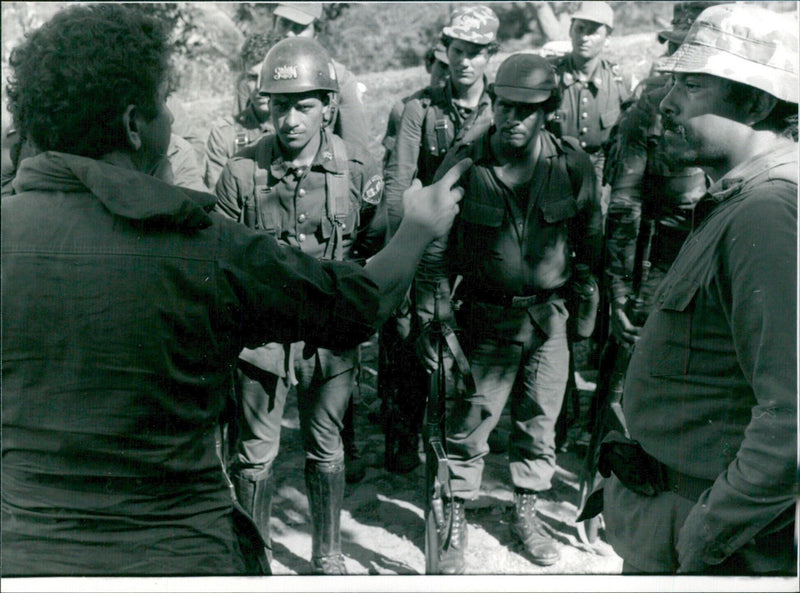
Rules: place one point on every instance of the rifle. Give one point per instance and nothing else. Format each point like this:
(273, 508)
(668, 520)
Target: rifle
(438, 522)
(607, 403)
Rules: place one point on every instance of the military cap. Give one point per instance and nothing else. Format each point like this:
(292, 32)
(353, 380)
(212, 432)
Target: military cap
(683, 15)
(597, 12)
(475, 24)
(744, 43)
(525, 78)
(303, 13)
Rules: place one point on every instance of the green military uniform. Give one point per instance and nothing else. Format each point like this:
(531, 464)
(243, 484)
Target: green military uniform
(228, 136)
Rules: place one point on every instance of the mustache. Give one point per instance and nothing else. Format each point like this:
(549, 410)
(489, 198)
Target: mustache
(670, 125)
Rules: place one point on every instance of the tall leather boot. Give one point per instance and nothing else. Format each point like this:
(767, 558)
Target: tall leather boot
(525, 525)
(325, 487)
(354, 463)
(255, 496)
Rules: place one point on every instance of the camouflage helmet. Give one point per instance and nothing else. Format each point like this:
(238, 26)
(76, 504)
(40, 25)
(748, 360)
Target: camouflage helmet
(475, 24)
(744, 43)
(297, 65)
(525, 78)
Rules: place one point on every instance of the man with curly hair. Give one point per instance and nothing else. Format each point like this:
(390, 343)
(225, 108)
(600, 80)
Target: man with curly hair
(124, 307)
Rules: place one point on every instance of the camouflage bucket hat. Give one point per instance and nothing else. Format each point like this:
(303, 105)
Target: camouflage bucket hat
(476, 24)
(743, 43)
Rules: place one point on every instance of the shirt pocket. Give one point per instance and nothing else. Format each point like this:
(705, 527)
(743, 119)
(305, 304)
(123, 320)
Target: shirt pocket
(559, 210)
(670, 355)
(609, 118)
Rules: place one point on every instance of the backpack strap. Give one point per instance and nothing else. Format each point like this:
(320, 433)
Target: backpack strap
(437, 129)
(337, 197)
(263, 154)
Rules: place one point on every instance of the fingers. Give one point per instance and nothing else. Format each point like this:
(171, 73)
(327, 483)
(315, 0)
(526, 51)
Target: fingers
(452, 176)
(415, 185)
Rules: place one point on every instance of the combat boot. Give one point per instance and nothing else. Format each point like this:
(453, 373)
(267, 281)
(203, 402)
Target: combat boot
(255, 497)
(452, 559)
(525, 525)
(325, 486)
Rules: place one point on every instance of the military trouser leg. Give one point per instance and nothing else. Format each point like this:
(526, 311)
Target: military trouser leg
(519, 353)
(262, 399)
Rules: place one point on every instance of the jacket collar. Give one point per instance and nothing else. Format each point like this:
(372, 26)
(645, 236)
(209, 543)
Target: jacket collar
(324, 159)
(482, 153)
(125, 192)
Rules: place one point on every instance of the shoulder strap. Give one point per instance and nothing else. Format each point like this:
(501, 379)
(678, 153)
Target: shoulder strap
(263, 154)
(437, 132)
(337, 196)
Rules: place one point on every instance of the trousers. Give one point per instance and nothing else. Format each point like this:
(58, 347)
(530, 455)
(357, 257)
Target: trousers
(517, 353)
(322, 402)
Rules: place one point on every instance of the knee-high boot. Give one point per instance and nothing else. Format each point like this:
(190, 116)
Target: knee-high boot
(255, 496)
(325, 486)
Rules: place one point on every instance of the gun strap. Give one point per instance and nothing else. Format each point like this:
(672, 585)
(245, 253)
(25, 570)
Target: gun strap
(457, 351)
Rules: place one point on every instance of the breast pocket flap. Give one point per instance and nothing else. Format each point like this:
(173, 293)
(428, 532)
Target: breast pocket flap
(561, 209)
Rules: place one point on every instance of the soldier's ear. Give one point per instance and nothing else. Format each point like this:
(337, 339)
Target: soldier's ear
(761, 105)
(131, 128)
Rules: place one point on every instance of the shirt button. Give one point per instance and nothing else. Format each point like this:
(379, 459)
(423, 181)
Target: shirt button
(301, 237)
(301, 218)
(583, 144)
(520, 226)
(585, 100)
(584, 130)
(301, 192)
(584, 115)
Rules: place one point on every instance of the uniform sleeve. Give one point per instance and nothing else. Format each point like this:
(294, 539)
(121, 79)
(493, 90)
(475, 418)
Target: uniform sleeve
(402, 164)
(229, 191)
(282, 295)
(185, 170)
(629, 152)
(218, 151)
(759, 261)
(351, 122)
(373, 228)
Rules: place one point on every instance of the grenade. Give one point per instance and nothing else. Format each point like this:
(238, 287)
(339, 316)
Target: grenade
(588, 299)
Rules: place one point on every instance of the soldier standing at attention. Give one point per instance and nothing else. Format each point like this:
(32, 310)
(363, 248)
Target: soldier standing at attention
(431, 123)
(530, 217)
(707, 482)
(232, 133)
(593, 90)
(310, 190)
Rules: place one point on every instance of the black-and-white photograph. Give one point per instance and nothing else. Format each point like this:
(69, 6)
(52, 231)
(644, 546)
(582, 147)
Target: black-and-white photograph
(360, 295)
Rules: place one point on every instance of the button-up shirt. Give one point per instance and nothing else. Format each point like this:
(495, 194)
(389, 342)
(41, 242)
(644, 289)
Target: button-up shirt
(711, 390)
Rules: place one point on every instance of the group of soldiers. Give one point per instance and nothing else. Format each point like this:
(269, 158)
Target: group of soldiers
(577, 194)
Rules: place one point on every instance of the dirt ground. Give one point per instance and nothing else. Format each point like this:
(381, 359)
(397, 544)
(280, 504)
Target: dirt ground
(382, 519)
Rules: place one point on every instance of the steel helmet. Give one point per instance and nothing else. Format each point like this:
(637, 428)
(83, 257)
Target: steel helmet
(525, 78)
(297, 65)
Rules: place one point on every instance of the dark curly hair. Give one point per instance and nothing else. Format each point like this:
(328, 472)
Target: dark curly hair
(73, 77)
(256, 46)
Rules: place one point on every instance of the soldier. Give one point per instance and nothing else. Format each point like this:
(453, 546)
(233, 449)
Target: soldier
(316, 192)
(707, 481)
(124, 306)
(300, 19)
(430, 125)
(530, 217)
(593, 89)
(232, 133)
(438, 68)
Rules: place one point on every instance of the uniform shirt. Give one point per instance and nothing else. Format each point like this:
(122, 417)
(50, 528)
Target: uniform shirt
(410, 158)
(183, 169)
(642, 183)
(588, 109)
(292, 202)
(711, 390)
(516, 243)
(228, 136)
(124, 307)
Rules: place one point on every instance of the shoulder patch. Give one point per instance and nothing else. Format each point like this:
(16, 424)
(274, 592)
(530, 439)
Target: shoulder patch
(372, 190)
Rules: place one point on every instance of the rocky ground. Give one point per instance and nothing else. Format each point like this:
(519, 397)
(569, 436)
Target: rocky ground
(382, 519)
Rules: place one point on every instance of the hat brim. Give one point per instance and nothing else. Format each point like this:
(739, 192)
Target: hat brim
(294, 15)
(521, 95)
(702, 59)
(441, 56)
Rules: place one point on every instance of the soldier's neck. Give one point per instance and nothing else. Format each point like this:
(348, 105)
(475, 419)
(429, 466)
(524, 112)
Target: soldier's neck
(585, 66)
(468, 96)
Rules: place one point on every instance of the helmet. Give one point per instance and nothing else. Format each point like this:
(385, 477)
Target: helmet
(297, 65)
(525, 78)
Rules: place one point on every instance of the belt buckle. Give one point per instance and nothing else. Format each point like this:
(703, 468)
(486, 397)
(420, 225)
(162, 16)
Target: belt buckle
(523, 302)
